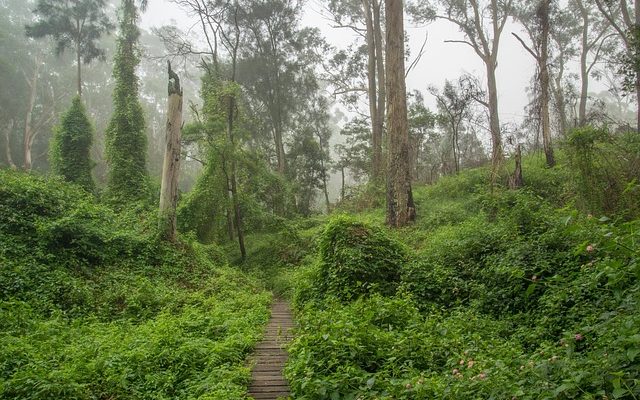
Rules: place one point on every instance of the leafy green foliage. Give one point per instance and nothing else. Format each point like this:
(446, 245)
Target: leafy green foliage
(506, 297)
(76, 25)
(357, 259)
(71, 145)
(94, 306)
(608, 170)
(125, 137)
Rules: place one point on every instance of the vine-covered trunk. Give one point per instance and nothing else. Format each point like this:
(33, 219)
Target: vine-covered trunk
(171, 164)
(400, 207)
(234, 184)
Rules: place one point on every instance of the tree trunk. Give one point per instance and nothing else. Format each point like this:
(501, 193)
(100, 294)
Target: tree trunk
(543, 13)
(171, 165)
(79, 72)
(279, 149)
(324, 175)
(379, 57)
(28, 128)
(494, 122)
(516, 182)
(636, 9)
(400, 207)
(234, 184)
(558, 94)
(584, 74)
(230, 227)
(7, 137)
(454, 145)
(342, 186)
(376, 137)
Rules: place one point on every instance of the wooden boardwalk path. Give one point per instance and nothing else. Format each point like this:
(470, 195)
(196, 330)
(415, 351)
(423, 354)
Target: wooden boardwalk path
(268, 382)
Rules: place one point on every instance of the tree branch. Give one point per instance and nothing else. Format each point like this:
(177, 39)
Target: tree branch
(533, 54)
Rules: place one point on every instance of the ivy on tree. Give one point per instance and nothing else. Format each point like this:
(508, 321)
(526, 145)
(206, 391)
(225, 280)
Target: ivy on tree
(73, 24)
(126, 141)
(71, 145)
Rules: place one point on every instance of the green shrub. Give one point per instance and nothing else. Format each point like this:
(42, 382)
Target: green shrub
(94, 306)
(607, 169)
(71, 145)
(358, 259)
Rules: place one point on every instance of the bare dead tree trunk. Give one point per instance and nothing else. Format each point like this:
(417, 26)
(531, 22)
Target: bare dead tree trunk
(7, 139)
(400, 207)
(171, 165)
(543, 15)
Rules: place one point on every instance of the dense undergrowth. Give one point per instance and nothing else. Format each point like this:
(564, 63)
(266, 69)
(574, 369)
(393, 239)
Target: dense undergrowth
(93, 306)
(491, 294)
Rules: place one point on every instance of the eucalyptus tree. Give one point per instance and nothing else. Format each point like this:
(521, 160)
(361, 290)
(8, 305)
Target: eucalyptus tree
(310, 153)
(73, 24)
(456, 106)
(596, 38)
(565, 29)
(277, 66)
(472, 18)
(624, 18)
(535, 17)
(423, 138)
(365, 18)
(400, 206)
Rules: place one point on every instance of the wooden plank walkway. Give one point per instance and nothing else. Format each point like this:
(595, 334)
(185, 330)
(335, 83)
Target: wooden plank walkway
(268, 382)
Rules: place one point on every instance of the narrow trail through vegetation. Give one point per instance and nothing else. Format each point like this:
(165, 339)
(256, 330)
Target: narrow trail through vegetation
(268, 382)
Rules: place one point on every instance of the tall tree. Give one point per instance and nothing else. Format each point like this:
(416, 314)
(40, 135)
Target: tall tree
(565, 28)
(400, 206)
(171, 164)
(595, 41)
(364, 17)
(455, 104)
(471, 17)
(624, 17)
(76, 24)
(125, 136)
(535, 17)
(70, 147)
(277, 66)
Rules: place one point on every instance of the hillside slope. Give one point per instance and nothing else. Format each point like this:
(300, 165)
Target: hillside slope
(492, 294)
(93, 306)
